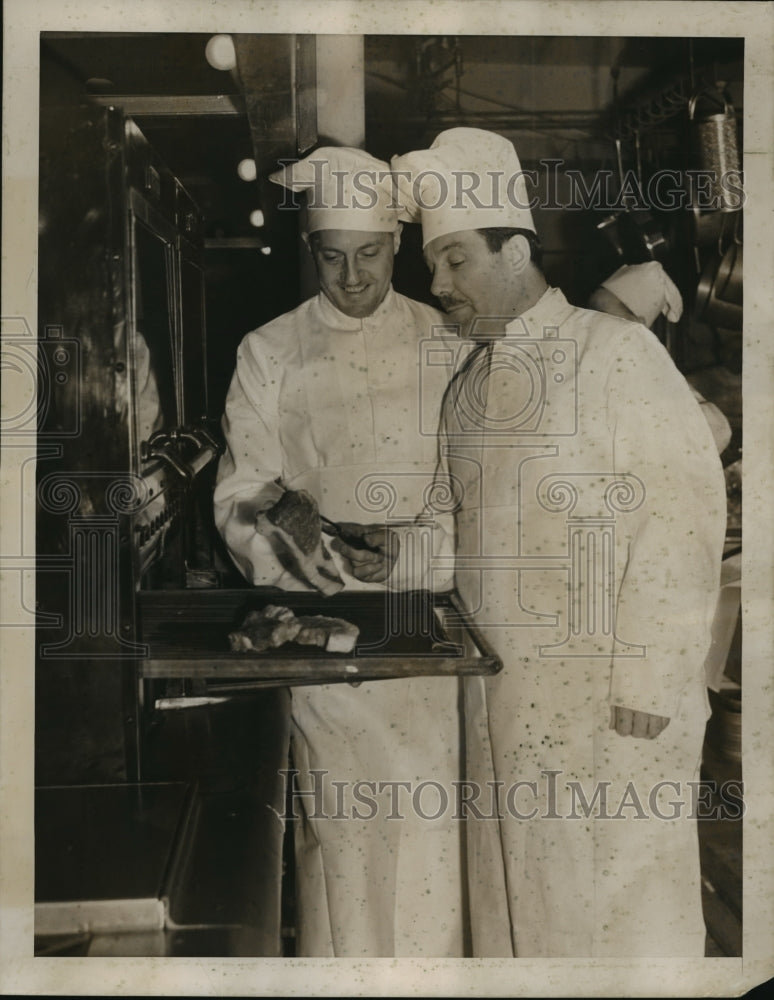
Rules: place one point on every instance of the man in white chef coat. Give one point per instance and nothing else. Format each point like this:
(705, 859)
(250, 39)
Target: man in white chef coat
(334, 398)
(588, 536)
(643, 293)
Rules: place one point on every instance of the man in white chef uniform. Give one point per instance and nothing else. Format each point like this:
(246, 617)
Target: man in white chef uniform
(334, 398)
(588, 534)
(643, 293)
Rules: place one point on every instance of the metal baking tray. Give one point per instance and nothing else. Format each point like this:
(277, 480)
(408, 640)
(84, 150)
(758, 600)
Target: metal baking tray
(406, 634)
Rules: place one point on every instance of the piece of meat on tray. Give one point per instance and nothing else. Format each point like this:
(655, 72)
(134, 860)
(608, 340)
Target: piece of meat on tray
(273, 626)
(333, 634)
(266, 629)
(293, 526)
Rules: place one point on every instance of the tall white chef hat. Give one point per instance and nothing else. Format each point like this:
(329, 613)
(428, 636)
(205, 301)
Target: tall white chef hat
(647, 291)
(346, 188)
(468, 179)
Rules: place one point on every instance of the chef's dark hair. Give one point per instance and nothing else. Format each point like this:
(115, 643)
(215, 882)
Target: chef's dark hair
(497, 236)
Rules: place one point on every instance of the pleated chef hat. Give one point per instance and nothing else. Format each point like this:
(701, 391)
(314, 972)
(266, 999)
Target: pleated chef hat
(646, 290)
(468, 179)
(346, 188)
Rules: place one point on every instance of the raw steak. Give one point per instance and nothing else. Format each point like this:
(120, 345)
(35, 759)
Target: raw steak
(293, 525)
(266, 629)
(333, 634)
(274, 626)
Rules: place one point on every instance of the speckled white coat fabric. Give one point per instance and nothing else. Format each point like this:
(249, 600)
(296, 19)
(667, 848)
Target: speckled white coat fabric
(591, 522)
(348, 409)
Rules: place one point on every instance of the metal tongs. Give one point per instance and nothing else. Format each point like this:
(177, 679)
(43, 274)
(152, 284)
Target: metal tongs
(354, 541)
(334, 529)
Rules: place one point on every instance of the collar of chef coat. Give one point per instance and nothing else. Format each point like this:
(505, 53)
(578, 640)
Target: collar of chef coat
(337, 320)
(548, 313)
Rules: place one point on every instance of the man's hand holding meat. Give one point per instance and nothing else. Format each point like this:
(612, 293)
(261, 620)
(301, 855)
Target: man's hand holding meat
(372, 560)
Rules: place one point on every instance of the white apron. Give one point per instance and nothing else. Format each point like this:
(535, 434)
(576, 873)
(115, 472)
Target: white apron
(348, 409)
(591, 522)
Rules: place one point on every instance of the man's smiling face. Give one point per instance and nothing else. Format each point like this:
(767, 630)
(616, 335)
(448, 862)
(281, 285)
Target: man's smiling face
(354, 267)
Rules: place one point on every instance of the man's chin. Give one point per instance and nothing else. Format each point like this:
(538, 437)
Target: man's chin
(460, 320)
(357, 310)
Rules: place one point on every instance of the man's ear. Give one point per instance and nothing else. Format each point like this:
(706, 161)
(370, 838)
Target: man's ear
(396, 237)
(307, 241)
(517, 252)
